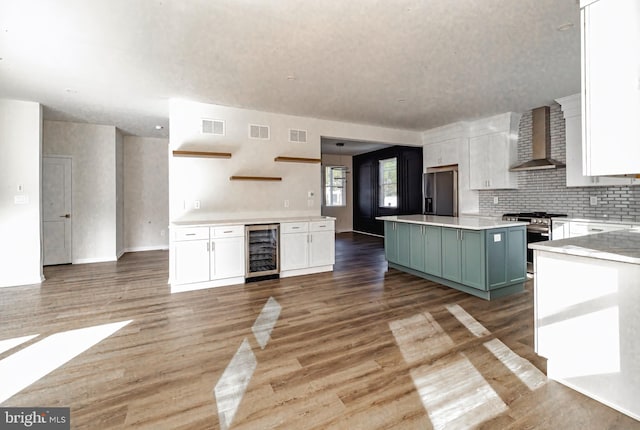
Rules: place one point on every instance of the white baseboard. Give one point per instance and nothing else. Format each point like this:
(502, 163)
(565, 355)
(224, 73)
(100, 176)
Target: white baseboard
(306, 271)
(94, 260)
(25, 281)
(147, 248)
(181, 288)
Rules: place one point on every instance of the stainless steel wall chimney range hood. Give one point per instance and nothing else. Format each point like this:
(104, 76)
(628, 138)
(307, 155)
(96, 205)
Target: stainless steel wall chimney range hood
(541, 145)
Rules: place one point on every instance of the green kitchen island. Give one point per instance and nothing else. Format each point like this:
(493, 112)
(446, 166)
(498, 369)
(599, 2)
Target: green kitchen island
(481, 256)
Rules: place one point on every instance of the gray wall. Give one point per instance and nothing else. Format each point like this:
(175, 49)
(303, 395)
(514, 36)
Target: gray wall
(93, 149)
(146, 193)
(547, 190)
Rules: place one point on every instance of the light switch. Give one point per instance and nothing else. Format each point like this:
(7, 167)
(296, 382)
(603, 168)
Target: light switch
(286, 203)
(196, 204)
(593, 201)
(495, 200)
(497, 237)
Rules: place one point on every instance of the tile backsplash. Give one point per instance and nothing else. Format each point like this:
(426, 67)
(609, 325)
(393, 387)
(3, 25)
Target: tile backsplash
(546, 190)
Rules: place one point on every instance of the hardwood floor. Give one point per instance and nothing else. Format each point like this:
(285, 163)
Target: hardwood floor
(359, 348)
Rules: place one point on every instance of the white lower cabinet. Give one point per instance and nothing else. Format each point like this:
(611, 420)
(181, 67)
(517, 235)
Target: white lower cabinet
(294, 246)
(191, 261)
(306, 247)
(203, 254)
(211, 256)
(227, 258)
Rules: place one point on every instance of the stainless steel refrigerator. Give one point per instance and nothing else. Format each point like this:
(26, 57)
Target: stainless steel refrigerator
(440, 191)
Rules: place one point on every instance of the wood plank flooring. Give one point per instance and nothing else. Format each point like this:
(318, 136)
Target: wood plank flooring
(359, 348)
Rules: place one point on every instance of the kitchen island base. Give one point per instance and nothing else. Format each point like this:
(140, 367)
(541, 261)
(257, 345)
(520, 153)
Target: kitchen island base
(487, 295)
(484, 258)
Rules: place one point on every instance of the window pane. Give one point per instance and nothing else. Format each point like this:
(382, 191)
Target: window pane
(388, 183)
(334, 183)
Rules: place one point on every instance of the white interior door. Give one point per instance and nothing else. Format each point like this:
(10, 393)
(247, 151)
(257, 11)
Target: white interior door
(56, 209)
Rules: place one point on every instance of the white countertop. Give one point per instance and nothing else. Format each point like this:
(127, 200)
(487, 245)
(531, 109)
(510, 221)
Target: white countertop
(621, 245)
(463, 222)
(248, 221)
(599, 220)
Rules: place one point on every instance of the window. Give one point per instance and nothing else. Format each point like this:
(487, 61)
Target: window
(335, 179)
(388, 180)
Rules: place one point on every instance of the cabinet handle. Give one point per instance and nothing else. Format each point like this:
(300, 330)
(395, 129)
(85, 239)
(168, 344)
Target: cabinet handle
(190, 234)
(294, 228)
(596, 229)
(228, 231)
(310, 238)
(208, 250)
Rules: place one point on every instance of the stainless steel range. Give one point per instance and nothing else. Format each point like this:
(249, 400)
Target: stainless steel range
(538, 230)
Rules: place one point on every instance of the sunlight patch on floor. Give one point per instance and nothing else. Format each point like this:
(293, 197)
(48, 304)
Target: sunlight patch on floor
(28, 365)
(455, 395)
(265, 322)
(523, 369)
(235, 379)
(413, 334)
(468, 321)
(7, 344)
(233, 383)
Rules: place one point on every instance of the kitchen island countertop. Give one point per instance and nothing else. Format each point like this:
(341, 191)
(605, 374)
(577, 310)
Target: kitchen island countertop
(463, 222)
(620, 245)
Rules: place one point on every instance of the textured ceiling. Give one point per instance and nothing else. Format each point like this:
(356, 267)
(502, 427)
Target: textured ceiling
(399, 63)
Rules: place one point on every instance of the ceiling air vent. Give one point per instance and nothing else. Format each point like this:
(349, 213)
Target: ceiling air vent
(297, 135)
(259, 131)
(213, 126)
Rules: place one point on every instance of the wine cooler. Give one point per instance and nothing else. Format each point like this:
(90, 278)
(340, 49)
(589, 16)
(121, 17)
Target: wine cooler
(263, 254)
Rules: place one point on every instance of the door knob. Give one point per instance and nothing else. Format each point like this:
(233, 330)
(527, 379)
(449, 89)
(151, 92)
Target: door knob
(65, 216)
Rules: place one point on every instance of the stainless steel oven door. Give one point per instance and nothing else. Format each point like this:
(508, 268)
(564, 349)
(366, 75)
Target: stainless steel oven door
(535, 233)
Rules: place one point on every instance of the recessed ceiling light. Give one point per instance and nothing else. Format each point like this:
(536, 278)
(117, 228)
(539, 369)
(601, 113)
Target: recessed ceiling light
(70, 91)
(402, 100)
(291, 78)
(564, 27)
(159, 127)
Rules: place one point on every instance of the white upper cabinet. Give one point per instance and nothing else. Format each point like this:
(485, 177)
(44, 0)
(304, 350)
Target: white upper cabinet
(611, 86)
(493, 146)
(441, 145)
(441, 153)
(571, 109)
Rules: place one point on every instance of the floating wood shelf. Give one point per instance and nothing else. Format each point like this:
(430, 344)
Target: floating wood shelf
(254, 178)
(297, 160)
(202, 154)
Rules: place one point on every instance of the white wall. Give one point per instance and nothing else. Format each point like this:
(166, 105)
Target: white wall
(93, 150)
(207, 180)
(20, 228)
(146, 193)
(343, 214)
